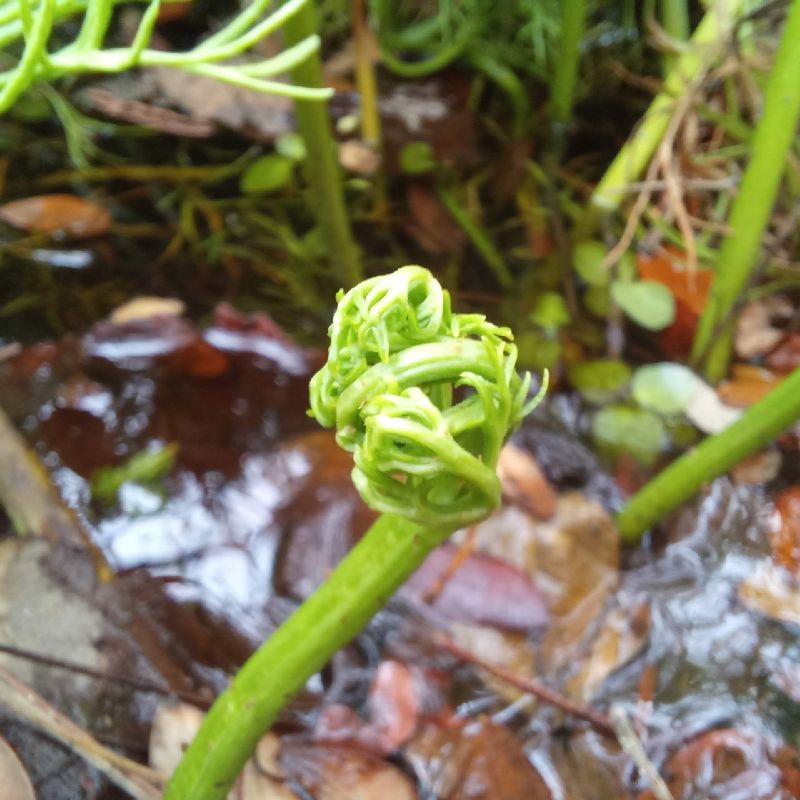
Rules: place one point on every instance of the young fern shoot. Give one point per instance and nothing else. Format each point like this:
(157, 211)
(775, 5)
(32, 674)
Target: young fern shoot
(424, 398)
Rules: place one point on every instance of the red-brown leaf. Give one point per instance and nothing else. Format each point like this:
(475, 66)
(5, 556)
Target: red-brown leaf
(666, 268)
(64, 215)
(785, 529)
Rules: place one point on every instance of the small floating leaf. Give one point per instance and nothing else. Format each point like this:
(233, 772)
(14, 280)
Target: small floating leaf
(665, 388)
(599, 380)
(267, 174)
(146, 466)
(417, 158)
(620, 429)
(647, 303)
(589, 258)
(550, 311)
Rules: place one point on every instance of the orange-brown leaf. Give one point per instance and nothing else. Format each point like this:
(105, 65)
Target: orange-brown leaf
(62, 215)
(667, 268)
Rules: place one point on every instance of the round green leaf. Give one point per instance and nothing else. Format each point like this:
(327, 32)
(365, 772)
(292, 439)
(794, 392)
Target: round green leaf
(647, 303)
(619, 429)
(665, 388)
(416, 158)
(267, 174)
(550, 311)
(588, 258)
(600, 380)
(292, 146)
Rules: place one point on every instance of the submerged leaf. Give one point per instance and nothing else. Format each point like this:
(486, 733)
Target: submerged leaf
(267, 174)
(144, 467)
(665, 388)
(647, 303)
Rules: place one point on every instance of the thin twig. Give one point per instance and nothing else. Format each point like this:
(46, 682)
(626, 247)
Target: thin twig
(632, 745)
(100, 675)
(139, 781)
(597, 720)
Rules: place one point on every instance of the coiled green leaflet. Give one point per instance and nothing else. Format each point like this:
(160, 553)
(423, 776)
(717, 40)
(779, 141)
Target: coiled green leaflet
(424, 399)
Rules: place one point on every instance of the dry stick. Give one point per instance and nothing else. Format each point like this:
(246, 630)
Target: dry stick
(139, 686)
(139, 781)
(597, 720)
(633, 746)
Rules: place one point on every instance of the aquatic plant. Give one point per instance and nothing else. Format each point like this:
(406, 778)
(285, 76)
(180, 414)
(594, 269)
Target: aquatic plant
(424, 398)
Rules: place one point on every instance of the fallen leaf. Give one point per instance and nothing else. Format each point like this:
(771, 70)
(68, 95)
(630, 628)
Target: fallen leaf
(666, 267)
(786, 356)
(759, 468)
(394, 701)
(728, 763)
(772, 592)
(483, 590)
(359, 158)
(341, 773)
(706, 410)
(756, 332)
(623, 635)
(748, 384)
(144, 307)
(59, 215)
(13, 778)
(524, 483)
(431, 224)
(784, 529)
(482, 761)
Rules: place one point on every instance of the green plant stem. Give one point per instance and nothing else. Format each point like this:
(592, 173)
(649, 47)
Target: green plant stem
(752, 209)
(675, 21)
(362, 583)
(321, 166)
(632, 159)
(714, 456)
(482, 243)
(565, 75)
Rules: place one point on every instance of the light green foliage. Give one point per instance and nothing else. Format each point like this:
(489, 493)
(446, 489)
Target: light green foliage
(146, 467)
(647, 303)
(600, 380)
(267, 174)
(665, 388)
(621, 429)
(398, 364)
(33, 22)
(417, 158)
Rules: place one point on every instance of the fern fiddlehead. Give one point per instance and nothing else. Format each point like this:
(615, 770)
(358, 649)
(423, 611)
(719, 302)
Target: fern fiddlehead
(424, 399)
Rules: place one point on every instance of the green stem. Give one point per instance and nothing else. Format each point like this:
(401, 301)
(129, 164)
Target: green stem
(632, 159)
(752, 209)
(565, 75)
(482, 243)
(362, 583)
(757, 427)
(322, 169)
(675, 21)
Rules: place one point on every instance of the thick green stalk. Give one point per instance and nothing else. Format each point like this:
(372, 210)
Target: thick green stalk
(738, 257)
(675, 21)
(322, 169)
(565, 76)
(633, 158)
(362, 583)
(756, 428)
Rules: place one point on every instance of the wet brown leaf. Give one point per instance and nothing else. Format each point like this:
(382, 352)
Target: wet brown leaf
(61, 215)
(772, 592)
(431, 224)
(13, 779)
(784, 529)
(729, 763)
(359, 158)
(747, 385)
(668, 267)
(524, 483)
(394, 700)
(482, 590)
(341, 773)
(758, 469)
(756, 331)
(144, 307)
(483, 761)
(786, 356)
(622, 637)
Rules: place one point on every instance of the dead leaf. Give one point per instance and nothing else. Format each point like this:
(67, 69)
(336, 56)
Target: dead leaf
(622, 637)
(482, 761)
(59, 215)
(341, 773)
(758, 469)
(770, 591)
(756, 333)
(482, 590)
(144, 307)
(748, 384)
(784, 529)
(394, 700)
(668, 268)
(786, 356)
(431, 224)
(524, 483)
(359, 158)
(16, 784)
